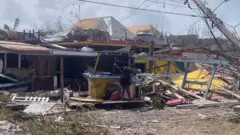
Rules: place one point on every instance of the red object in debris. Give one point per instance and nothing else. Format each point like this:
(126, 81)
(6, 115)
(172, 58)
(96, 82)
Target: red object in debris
(174, 102)
(197, 92)
(115, 96)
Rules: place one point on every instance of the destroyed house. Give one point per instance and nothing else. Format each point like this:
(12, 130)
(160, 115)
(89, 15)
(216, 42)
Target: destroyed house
(109, 24)
(41, 65)
(100, 34)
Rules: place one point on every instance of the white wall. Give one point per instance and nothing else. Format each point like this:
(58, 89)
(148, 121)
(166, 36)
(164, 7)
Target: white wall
(101, 25)
(117, 30)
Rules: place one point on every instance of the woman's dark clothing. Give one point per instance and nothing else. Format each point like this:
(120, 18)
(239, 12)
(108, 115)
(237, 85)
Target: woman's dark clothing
(126, 81)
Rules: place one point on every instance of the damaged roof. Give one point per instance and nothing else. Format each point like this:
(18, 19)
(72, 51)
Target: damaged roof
(23, 48)
(86, 23)
(16, 47)
(136, 28)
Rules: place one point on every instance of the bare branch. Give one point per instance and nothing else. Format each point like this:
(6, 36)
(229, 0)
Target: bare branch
(59, 24)
(16, 23)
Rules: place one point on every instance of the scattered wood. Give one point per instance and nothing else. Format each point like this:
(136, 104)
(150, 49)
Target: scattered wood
(177, 88)
(221, 104)
(228, 91)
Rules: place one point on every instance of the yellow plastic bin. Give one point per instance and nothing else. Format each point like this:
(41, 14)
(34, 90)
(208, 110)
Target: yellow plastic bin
(97, 84)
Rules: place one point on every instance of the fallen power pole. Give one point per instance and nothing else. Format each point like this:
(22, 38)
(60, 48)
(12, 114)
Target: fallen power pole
(217, 22)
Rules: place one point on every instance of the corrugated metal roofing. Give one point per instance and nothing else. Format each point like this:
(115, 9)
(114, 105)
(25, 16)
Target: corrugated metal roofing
(90, 44)
(16, 47)
(22, 48)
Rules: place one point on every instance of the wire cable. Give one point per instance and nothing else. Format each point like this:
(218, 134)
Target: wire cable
(220, 5)
(188, 26)
(137, 12)
(164, 3)
(149, 10)
(181, 2)
(132, 12)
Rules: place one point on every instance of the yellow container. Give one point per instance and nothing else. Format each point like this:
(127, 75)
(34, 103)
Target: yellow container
(97, 84)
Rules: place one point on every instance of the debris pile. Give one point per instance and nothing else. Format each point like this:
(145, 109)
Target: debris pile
(223, 90)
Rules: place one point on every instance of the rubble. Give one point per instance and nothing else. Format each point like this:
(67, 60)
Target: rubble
(38, 108)
(167, 77)
(236, 109)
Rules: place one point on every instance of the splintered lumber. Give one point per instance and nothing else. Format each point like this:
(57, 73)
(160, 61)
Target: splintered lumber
(207, 105)
(177, 88)
(228, 91)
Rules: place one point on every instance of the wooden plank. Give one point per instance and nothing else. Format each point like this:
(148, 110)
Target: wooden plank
(228, 91)
(85, 99)
(151, 50)
(210, 81)
(62, 79)
(221, 104)
(179, 89)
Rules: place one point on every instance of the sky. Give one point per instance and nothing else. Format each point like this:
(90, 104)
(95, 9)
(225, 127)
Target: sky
(35, 14)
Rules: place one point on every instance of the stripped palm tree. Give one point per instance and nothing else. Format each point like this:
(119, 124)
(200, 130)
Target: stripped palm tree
(12, 31)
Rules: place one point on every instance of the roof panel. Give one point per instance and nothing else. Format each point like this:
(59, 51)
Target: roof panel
(136, 28)
(86, 23)
(16, 47)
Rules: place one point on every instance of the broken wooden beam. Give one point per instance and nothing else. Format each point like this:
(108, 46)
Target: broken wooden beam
(228, 91)
(177, 88)
(207, 105)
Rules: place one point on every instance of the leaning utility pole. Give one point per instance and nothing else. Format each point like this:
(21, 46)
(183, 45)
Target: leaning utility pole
(217, 22)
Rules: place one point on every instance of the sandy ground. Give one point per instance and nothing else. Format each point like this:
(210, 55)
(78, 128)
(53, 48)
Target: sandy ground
(211, 121)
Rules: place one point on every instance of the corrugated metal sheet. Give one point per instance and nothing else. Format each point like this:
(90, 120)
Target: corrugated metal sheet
(74, 53)
(110, 44)
(15, 47)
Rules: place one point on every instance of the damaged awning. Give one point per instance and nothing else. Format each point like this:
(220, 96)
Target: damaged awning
(22, 48)
(74, 53)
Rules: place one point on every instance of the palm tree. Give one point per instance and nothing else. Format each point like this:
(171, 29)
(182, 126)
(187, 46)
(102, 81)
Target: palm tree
(12, 31)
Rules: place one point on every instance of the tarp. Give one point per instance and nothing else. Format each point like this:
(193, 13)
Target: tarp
(160, 66)
(201, 75)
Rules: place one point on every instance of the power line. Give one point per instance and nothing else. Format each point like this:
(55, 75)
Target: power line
(149, 10)
(189, 26)
(181, 2)
(159, 2)
(136, 12)
(220, 5)
(132, 12)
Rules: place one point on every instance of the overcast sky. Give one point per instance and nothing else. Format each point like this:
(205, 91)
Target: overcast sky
(35, 13)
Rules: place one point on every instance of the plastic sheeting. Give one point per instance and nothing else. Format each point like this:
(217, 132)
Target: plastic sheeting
(199, 76)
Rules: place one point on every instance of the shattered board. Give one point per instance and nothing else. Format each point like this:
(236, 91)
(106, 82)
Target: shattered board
(39, 108)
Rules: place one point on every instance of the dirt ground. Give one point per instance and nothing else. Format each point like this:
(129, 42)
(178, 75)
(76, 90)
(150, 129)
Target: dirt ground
(211, 121)
(171, 121)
